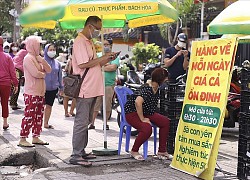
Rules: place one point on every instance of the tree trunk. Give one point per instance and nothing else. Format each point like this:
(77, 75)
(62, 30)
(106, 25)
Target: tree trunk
(16, 32)
(172, 40)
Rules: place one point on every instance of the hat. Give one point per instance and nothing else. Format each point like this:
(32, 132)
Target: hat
(182, 37)
(1, 40)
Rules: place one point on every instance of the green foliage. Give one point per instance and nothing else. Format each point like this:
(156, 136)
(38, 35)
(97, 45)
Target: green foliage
(6, 19)
(124, 70)
(56, 36)
(187, 12)
(163, 30)
(145, 53)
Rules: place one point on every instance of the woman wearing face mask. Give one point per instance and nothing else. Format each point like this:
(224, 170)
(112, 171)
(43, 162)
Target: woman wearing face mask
(7, 77)
(13, 49)
(177, 58)
(6, 47)
(18, 62)
(35, 69)
(53, 82)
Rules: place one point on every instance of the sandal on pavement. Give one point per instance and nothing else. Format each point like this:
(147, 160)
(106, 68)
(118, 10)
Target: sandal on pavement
(25, 144)
(137, 157)
(107, 127)
(165, 156)
(40, 142)
(81, 162)
(91, 126)
(49, 127)
(15, 107)
(6, 127)
(67, 115)
(89, 156)
(73, 114)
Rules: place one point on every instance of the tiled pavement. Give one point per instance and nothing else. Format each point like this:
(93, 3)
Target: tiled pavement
(60, 149)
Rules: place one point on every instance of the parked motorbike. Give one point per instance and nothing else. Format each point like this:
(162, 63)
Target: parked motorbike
(233, 102)
(149, 68)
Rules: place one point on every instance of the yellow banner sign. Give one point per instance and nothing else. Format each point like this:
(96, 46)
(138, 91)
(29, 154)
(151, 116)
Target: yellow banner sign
(104, 9)
(148, 20)
(200, 125)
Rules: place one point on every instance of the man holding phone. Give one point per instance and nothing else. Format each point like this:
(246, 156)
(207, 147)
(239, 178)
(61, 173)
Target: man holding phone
(177, 58)
(84, 59)
(110, 76)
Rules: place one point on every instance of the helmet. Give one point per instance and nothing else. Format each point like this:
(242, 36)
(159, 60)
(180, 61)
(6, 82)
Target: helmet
(182, 37)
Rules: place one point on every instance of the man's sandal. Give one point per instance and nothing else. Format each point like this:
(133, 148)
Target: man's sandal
(67, 115)
(81, 162)
(89, 156)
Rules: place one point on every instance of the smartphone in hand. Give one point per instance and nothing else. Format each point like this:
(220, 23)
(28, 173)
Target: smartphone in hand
(114, 55)
(117, 54)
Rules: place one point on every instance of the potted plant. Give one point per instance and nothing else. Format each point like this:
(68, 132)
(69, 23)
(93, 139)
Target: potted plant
(145, 53)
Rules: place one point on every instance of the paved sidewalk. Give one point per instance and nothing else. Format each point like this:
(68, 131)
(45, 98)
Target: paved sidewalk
(57, 153)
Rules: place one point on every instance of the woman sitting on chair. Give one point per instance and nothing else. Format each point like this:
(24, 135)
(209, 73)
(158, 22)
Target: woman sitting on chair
(140, 111)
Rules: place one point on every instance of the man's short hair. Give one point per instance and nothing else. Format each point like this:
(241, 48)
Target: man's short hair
(92, 20)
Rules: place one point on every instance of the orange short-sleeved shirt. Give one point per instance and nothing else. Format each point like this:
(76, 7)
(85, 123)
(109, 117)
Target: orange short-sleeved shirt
(83, 51)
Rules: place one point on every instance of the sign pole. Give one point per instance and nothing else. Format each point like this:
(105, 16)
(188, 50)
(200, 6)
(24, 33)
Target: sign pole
(202, 18)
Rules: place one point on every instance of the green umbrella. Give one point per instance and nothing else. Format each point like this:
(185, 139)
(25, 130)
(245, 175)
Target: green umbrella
(115, 13)
(242, 38)
(235, 19)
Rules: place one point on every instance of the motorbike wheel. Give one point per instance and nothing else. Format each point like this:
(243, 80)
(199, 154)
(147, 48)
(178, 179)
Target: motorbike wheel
(133, 132)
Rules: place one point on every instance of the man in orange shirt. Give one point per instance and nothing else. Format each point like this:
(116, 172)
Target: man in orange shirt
(84, 56)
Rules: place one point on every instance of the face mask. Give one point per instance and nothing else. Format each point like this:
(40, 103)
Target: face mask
(106, 49)
(14, 49)
(6, 50)
(95, 34)
(181, 44)
(51, 54)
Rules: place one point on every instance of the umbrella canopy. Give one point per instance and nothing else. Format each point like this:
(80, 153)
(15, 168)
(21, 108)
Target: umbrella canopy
(242, 38)
(235, 19)
(115, 13)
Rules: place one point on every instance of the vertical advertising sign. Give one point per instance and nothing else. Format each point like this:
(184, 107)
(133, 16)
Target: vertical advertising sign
(201, 121)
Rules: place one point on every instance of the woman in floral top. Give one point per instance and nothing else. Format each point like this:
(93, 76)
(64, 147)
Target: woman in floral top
(140, 112)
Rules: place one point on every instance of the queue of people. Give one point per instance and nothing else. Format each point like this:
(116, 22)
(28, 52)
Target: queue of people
(43, 81)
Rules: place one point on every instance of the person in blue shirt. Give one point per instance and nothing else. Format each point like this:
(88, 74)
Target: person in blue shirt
(53, 82)
(177, 58)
